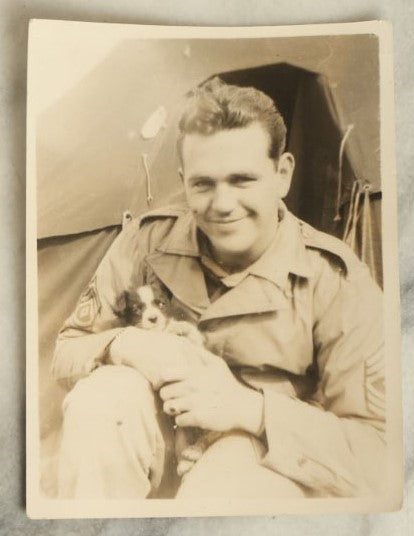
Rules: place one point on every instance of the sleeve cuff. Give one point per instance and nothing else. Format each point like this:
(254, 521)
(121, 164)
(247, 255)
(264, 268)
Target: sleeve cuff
(77, 357)
(297, 435)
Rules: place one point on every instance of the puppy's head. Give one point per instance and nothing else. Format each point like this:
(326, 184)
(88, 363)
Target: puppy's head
(145, 308)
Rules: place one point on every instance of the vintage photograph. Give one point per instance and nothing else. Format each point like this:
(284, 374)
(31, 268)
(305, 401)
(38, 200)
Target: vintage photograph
(212, 310)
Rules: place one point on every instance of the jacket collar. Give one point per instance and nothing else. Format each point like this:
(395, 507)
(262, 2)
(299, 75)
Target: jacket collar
(287, 253)
(262, 287)
(182, 239)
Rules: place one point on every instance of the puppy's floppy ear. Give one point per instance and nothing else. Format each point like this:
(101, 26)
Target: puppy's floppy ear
(122, 306)
(161, 299)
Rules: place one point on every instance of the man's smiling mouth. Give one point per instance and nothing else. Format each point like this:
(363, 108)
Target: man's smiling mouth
(226, 222)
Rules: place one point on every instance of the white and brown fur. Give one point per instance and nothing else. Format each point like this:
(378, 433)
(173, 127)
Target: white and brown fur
(147, 308)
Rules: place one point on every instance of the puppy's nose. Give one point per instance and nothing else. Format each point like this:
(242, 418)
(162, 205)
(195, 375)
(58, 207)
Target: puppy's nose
(153, 319)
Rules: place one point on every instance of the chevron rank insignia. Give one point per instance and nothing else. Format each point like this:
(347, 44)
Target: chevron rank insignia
(375, 386)
(88, 306)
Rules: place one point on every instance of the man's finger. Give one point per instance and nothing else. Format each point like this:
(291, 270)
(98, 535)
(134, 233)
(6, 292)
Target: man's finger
(173, 390)
(186, 419)
(176, 406)
(174, 374)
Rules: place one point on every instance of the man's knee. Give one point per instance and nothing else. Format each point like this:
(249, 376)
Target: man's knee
(231, 468)
(111, 431)
(109, 391)
(115, 406)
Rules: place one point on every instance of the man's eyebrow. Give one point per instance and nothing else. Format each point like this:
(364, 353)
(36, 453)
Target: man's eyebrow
(195, 178)
(237, 175)
(243, 175)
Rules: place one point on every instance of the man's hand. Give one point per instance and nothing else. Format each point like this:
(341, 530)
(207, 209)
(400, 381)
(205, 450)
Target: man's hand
(208, 396)
(198, 387)
(150, 352)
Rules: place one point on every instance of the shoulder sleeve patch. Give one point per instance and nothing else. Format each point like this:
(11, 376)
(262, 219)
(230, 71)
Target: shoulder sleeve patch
(327, 243)
(88, 306)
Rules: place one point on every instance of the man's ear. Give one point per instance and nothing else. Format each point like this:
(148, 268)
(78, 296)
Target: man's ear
(285, 169)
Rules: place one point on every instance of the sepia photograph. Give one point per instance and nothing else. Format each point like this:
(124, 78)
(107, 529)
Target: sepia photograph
(212, 277)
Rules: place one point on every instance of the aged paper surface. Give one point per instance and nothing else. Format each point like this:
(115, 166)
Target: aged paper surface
(89, 166)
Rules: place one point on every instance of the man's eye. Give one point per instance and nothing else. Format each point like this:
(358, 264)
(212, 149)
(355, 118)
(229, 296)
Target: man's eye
(202, 184)
(243, 180)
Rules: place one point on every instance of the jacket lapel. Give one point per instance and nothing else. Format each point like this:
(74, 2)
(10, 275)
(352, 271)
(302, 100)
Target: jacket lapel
(266, 287)
(253, 295)
(183, 276)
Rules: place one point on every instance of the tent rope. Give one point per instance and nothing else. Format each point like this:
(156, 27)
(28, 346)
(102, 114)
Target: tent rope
(340, 166)
(363, 214)
(367, 246)
(351, 211)
(351, 238)
(148, 177)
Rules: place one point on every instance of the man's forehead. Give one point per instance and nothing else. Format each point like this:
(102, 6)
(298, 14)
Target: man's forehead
(227, 136)
(234, 146)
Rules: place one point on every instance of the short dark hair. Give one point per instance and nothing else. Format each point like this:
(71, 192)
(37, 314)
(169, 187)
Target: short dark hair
(216, 105)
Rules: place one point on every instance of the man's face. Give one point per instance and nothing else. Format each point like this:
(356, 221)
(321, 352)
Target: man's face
(233, 188)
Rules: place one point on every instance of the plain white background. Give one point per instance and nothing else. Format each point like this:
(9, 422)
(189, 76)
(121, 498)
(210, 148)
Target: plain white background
(14, 17)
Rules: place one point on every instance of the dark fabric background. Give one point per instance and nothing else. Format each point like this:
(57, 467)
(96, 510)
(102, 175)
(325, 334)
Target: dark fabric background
(65, 265)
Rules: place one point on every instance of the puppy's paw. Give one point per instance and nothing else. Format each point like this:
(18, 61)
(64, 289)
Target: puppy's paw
(183, 467)
(189, 456)
(192, 453)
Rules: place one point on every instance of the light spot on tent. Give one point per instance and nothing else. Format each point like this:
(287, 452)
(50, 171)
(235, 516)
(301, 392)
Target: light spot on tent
(187, 51)
(155, 122)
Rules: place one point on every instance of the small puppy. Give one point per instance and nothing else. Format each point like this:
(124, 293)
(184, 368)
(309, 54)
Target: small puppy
(147, 308)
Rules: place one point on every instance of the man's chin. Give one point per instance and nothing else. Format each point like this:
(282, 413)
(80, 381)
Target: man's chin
(231, 248)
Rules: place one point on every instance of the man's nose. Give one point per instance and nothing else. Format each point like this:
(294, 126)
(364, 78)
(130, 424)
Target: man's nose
(224, 200)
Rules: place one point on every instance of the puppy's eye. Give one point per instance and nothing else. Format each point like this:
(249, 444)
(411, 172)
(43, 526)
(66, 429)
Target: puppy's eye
(160, 303)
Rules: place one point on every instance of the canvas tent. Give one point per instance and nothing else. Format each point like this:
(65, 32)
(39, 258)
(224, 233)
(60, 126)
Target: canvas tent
(90, 151)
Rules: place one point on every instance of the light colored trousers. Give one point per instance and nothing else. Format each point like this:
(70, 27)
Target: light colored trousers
(117, 443)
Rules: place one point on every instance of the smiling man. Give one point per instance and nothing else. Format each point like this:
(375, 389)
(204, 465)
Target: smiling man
(291, 374)
(233, 188)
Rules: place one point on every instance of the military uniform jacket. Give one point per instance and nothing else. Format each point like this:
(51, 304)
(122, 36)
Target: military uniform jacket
(303, 324)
